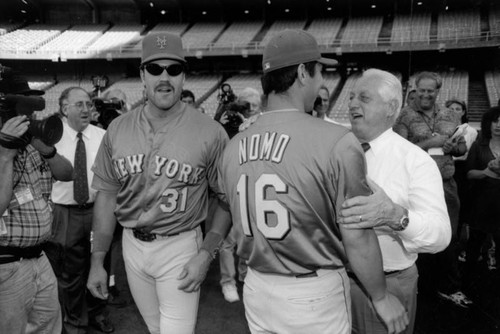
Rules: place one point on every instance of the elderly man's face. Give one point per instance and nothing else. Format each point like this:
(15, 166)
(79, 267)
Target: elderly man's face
(369, 114)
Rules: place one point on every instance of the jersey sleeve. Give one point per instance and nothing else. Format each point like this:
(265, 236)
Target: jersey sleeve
(105, 178)
(349, 165)
(214, 156)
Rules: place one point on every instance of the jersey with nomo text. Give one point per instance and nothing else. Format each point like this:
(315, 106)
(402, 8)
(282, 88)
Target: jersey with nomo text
(285, 178)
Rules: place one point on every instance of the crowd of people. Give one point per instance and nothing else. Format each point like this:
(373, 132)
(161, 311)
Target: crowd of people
(331, 225)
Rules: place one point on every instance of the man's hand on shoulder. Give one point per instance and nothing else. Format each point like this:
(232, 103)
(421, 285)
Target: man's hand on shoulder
(370, 211)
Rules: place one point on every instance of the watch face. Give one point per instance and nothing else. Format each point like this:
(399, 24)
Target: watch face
(404, 222)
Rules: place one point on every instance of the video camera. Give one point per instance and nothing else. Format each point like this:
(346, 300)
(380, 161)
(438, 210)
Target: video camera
(48, 130)
(236, 113)
(108, 110)
(226, 94)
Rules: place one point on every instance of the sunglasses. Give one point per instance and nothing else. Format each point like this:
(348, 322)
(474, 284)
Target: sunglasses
(155, 69)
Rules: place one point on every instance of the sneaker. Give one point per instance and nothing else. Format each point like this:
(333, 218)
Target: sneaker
(462, 257)
(458, 298)
(230, 293)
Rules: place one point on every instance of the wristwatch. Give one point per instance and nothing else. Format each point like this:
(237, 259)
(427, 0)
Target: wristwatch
(403, 222)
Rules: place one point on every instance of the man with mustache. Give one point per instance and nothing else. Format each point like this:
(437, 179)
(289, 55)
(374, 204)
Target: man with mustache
(153, 172)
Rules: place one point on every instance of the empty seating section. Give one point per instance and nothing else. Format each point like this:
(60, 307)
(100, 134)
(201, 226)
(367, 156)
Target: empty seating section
(325, 30)
(414, 28)
(340, 111)
(494, 19)
(238, 34)
(29, 38)
(455, 84)
(200, 85)
(279, 25)
(362, 30)
(40, 84)
(492, 80)
(74, 39)
(52, 94)
(173, 28)
(117, 37)
(201, 34)
(332, 81)
(8, 27)
(133, 89)
(458, 25)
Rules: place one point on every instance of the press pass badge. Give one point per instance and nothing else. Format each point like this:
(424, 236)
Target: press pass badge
(24, 195)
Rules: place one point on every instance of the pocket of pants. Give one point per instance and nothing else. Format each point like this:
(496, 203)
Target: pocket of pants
(8, 270)
(306, 299)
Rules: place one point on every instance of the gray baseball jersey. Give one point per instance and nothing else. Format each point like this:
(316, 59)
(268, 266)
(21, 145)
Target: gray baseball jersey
(285, 178)
(161, 179)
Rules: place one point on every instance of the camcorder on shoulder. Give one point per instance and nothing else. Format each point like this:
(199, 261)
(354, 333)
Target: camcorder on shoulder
(108, 110)
(49, 130)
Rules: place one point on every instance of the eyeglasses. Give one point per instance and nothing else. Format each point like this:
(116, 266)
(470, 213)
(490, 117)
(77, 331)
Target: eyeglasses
(81, 104)
(155, 69)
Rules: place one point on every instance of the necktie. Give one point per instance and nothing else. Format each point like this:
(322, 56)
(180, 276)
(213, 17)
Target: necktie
(365, 146)
(80, 185)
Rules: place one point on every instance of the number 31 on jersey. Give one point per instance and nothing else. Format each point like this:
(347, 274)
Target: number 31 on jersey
(264, 207)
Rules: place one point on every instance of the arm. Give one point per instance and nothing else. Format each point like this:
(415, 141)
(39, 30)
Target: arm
(429, 225)
(6, 185)
(103, 227)
(16, 127)
(195, 270)
(60, 166)
(364, 255)
(456, 147)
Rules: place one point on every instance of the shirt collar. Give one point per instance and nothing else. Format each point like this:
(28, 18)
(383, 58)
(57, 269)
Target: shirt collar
(377, 145)
(73, 134)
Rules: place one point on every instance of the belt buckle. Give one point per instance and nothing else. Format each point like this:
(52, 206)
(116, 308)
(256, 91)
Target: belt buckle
(143, 236)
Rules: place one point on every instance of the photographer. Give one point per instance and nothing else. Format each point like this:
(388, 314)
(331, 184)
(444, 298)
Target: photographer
(224, 97)
(28, 285)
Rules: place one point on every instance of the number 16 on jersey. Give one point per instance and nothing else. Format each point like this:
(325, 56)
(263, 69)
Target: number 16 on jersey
(263, 206)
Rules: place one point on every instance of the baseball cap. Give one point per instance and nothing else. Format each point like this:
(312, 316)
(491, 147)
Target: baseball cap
(292, 47)
(13, 83)
(162, 45)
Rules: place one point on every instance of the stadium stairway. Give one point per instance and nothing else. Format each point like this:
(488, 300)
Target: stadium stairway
(478, 97)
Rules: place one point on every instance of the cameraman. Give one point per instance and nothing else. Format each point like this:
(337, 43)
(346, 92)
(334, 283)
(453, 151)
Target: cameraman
(224, 97)
(28, 286)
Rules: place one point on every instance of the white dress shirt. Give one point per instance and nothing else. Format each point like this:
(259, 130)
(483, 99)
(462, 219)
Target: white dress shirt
(411, 178)
(62, 192)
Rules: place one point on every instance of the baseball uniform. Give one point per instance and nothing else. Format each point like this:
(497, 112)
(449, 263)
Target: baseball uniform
(285, 178)
(161, 180)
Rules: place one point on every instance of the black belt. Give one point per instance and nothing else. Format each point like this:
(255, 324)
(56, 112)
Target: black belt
(19, 253)
(148, 236)
(78, 206)
(306, 275)
(391, 272)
